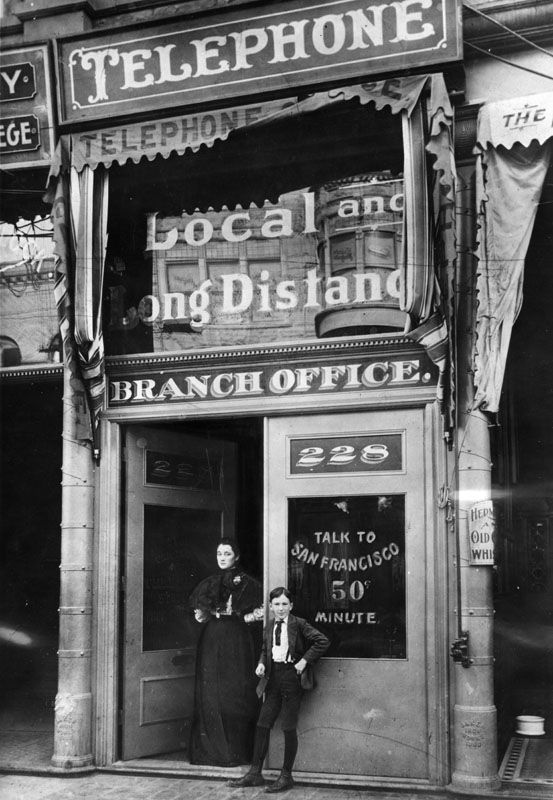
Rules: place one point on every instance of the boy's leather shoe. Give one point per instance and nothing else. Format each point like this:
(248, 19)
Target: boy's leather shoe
(282, 783)
(249, 779)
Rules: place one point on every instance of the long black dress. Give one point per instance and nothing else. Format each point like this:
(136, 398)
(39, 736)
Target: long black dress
(225, 703)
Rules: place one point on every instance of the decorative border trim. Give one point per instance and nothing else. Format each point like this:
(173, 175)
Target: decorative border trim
(268, 352)
(24, 373)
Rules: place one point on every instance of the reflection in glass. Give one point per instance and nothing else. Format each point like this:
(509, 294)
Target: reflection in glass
(346, 570)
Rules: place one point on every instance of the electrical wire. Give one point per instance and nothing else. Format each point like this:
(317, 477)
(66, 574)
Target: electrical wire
(507, 29)
(506, 61)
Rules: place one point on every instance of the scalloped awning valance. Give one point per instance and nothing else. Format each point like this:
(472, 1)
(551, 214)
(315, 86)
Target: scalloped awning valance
(518, 120)
(180, 134)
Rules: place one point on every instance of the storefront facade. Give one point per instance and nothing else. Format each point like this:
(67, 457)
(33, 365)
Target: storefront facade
(265, 285)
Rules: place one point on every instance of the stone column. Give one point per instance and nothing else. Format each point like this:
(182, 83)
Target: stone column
(73, 715)
(474, 752)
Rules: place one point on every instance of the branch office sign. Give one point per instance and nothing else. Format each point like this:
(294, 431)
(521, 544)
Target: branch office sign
(231, 55)
(188, 385)
(26, 109)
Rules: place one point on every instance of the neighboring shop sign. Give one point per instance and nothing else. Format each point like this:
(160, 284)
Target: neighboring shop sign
(17, 81)
(168, 385)
(232, 54)
(19, 134)
(481, 523)
(369, 453)
(346, 569)
(26, 122)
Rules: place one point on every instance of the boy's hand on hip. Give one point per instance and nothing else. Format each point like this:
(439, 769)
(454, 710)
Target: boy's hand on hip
(260, 670)
(300, 665)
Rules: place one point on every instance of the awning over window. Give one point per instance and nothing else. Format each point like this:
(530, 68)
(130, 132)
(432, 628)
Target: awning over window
(181, 134)
(519, 120)
(514, 143)
(80, 196)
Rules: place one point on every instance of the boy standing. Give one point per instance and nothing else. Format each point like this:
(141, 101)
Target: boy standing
(290, 646)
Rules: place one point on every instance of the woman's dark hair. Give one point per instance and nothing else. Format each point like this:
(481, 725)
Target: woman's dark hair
(278, 591)
(231, 543)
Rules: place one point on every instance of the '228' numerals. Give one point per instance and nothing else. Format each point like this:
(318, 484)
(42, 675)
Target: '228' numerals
(342, 454)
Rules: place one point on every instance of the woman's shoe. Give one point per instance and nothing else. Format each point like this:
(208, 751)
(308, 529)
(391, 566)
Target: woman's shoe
(251, 778)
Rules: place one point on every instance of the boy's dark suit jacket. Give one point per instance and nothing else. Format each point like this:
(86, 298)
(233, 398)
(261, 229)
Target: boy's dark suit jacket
(304, 641)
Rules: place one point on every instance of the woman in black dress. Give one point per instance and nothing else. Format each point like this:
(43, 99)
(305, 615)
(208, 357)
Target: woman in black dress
(229, 605)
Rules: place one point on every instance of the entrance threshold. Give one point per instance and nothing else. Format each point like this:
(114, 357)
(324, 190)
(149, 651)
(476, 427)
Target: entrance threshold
(162, 767)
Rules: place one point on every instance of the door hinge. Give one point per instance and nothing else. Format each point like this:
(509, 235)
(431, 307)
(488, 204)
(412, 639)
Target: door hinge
(460, 649)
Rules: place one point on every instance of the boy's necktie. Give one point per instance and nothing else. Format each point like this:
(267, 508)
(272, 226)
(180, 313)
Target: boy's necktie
(278, 631)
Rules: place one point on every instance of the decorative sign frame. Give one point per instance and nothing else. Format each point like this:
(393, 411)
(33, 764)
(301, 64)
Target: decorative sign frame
(166, 385)
(231, 54)
(26, 107)
(321, 455)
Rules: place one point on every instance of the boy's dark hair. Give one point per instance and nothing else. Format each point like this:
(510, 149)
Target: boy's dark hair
(278, 591)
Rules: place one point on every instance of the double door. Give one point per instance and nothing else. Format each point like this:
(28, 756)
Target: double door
(348, 527)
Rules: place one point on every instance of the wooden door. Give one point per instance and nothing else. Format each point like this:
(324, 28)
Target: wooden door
(180, 501)
(349, 532)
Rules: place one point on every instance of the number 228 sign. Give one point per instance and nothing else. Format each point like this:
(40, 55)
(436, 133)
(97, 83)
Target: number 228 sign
(363, 453)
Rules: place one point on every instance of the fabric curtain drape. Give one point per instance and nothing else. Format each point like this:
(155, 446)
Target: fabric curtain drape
(79, 214)
(513, 156)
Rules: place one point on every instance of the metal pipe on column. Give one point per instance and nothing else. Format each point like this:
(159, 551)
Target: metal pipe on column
(73, 709)
(474, 746)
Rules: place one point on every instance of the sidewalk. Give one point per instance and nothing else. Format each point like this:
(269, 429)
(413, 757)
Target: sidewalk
(103, 786)
(110, 786)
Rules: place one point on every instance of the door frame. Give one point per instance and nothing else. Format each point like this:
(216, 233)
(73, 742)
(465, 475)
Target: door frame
(108, 550)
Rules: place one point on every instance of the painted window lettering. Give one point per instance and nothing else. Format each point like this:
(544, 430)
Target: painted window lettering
(342, 454)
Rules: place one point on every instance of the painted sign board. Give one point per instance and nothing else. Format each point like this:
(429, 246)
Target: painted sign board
(26, 108)
(481, 522)
(233, 54)
(19, 134)
(17, 81)
(374, 452)
(189, 385)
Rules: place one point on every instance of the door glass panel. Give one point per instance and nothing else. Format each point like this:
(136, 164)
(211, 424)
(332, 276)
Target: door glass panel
(346, 570)
(188, 471)
(178, 552)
